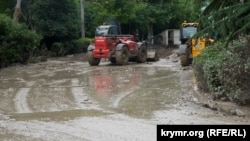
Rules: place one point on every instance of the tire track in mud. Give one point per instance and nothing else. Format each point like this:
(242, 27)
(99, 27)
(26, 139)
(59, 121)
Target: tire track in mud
(118, 99)
(77, 92)
(20, 101)
(81, 99)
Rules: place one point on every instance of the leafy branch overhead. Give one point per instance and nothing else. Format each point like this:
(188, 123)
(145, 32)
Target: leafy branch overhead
(228, 19)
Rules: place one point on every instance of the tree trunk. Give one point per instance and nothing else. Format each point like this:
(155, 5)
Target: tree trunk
(150, 34)
(17, 12)
(82, 18)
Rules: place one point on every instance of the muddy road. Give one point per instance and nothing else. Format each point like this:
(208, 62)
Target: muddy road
(66, 99)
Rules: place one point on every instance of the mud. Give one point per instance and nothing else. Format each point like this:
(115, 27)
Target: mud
(66, 99)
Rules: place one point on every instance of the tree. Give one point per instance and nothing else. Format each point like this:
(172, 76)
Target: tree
(131, 14)
(4, 5)
(82, 18)
(18, 11)
(56, 21)
(148, 17)
(227, 18)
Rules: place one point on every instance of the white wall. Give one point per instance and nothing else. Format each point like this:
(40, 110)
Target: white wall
(174, 34)
(177, 37)
(164, 35)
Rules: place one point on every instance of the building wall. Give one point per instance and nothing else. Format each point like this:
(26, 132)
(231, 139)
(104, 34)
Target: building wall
(173, 34)
(177, 37)
(164, 36)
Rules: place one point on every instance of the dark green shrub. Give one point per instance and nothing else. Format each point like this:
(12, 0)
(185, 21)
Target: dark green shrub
(71, 47)
(17, 43)
(223, 71)
(58, 49)
(209, 56)
(83, 43)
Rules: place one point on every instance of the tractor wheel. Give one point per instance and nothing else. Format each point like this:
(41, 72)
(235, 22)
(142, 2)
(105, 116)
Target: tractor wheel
(133, 59)
(156, 58)
(92, 61)
(112, 60)
(142, 54)
(122, 56)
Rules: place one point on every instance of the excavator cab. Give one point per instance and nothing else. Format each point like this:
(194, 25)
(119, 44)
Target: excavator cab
(187, 31)
(190, 47)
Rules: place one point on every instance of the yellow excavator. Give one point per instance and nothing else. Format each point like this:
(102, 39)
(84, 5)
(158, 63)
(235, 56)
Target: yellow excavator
(191, 47)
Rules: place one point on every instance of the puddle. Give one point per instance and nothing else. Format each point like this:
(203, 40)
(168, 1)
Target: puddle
(134, 91)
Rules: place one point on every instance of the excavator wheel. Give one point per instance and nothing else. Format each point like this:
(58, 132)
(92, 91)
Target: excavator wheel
(185, 60)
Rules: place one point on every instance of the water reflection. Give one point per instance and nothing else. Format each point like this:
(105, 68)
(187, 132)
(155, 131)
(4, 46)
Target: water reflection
(134, 91)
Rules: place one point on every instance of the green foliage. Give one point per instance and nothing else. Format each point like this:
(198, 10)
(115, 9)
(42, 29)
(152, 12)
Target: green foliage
(228, 19)
(223, 68)
(83, 43)
(139, 15)
(17, 43)
(94, 16)
(6, 6)
(70, 47)
(3, 5)
(60, 21)
(58, 49)
(56, 21)
(225, 72)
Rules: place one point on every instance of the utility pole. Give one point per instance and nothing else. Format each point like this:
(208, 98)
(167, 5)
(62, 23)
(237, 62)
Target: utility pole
(82, 18)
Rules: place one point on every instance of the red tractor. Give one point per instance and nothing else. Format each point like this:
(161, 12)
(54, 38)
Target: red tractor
(119, 49)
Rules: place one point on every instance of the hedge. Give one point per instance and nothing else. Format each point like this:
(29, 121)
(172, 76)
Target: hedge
(224, 71)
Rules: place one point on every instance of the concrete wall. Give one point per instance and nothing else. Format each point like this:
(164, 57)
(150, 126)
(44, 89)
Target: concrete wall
(177, 37)
(173, 34)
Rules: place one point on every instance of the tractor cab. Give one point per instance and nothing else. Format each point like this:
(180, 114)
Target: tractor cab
(105, 30)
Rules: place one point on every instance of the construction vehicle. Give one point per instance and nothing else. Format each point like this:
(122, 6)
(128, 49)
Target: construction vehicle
(118, 48)
(191, 47)
(152, 52)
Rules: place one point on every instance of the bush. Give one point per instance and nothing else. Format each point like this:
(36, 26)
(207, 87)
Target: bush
(223, 71)
(77, 46)
(83, 43)
(58, 49)
(17, 43)
(71, 47)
